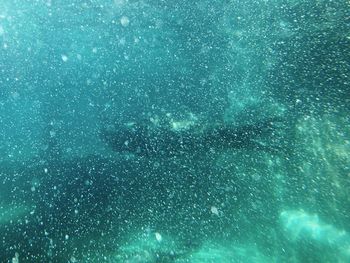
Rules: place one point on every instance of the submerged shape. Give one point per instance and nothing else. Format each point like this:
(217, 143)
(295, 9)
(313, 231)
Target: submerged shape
(303, 226)
(10, 213)
(149, 140)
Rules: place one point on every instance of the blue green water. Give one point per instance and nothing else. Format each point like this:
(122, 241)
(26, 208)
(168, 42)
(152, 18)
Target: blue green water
(175, 131)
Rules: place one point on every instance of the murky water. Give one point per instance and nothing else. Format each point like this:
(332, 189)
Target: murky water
(174, 131)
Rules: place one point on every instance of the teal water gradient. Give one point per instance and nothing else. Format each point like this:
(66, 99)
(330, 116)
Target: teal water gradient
(70, 70)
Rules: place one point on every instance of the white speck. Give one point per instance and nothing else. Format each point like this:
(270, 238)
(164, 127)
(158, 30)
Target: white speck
(122, 41)
(79, 57)
(120, 3)
(32, 189)
(15, 95)
(94, 50)
(124, 21)
(66, 237)
(214, 210)
(158, 237)
(88, 182)
(64, 58)
(16, 258)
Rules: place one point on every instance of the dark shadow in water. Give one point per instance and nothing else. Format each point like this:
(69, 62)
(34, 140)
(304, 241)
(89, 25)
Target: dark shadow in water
(149, 140)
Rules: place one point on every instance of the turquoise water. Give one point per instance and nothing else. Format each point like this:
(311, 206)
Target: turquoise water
(174, 131)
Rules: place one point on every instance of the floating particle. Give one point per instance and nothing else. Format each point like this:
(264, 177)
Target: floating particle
(64, 58)
(122, 41)
(16, 258)
(214, 210)
(120, 2)
(158, 237)
(124, 21)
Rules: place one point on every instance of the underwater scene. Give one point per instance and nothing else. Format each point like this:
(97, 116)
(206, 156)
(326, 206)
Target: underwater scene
(174, 131)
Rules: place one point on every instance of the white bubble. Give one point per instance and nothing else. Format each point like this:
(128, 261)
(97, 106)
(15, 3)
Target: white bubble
(158, 237)
(120, 3)
(124, 21)
(15, 95)
(15, 259)
(64, 58)
(214, 210)
(122, 41)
